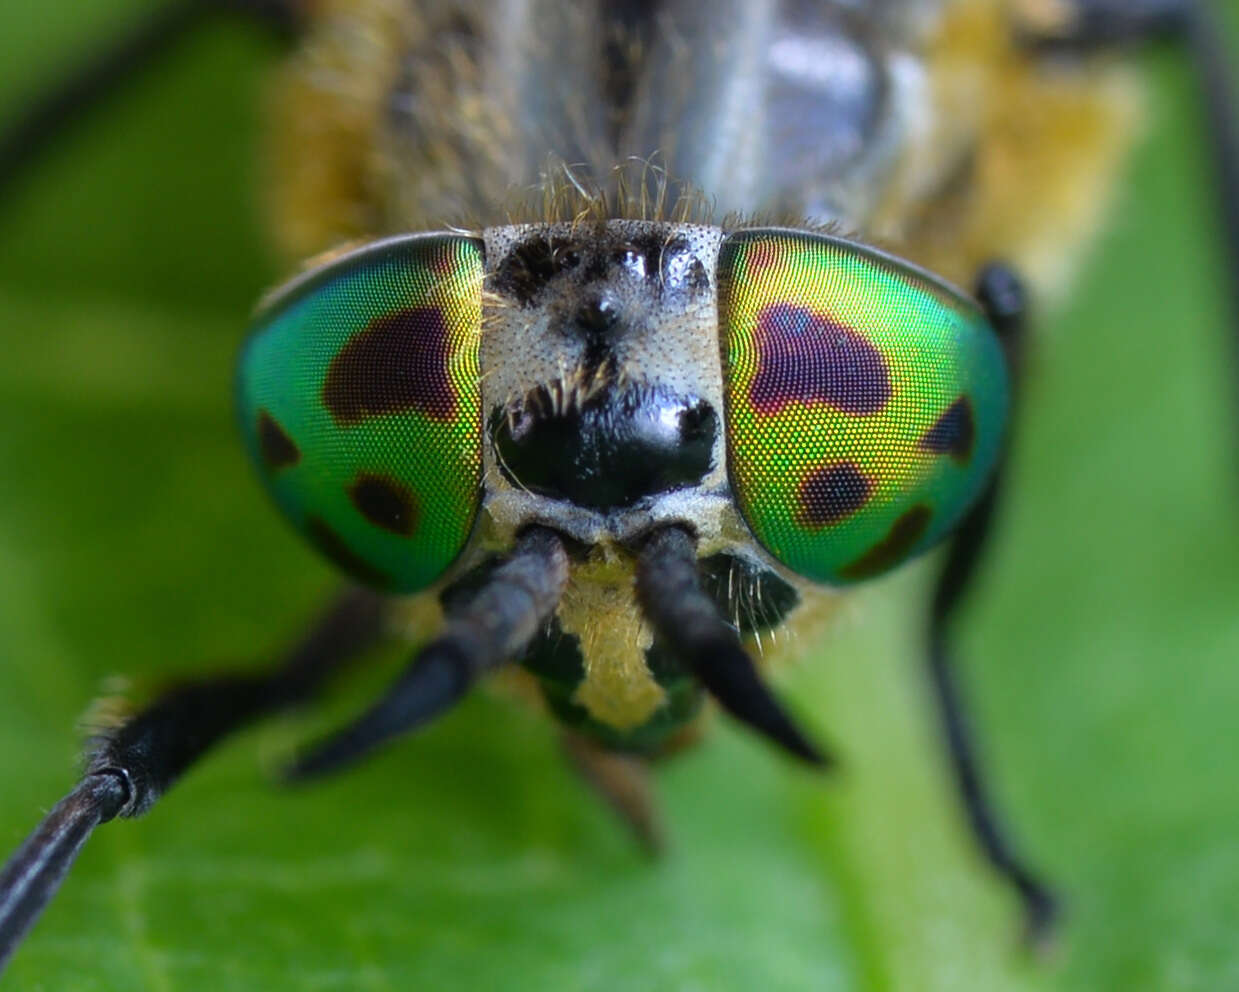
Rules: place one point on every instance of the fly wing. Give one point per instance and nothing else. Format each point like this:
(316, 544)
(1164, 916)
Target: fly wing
(773, 106)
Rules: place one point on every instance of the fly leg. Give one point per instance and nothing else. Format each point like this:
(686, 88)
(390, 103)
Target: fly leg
(1095, 23)
(623, 782)
(129, 767)
(1002, 296)
(483, 631)
(1197, 26)
(118, 61)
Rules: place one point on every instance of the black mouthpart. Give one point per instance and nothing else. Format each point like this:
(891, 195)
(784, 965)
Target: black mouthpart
(486, 629)
(683, 614)
(608, 450)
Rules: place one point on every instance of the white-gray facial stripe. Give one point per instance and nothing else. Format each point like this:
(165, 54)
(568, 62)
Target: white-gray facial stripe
(600, 349)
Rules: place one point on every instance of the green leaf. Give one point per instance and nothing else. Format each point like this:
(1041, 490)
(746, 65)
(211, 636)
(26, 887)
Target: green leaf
(1099, 657)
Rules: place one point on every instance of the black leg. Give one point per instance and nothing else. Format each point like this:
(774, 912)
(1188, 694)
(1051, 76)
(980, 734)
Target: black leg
(120, 60)
(999, 291)
(493, 626)
(1217, 80)
(685, 616)
(1083, 24)
(129, 768)
(1197, 26)
(623, 782)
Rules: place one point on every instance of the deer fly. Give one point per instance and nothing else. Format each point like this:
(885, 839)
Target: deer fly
(626, 340)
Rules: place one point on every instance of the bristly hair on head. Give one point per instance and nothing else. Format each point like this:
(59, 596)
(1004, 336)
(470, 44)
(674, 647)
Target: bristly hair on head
(635, 189)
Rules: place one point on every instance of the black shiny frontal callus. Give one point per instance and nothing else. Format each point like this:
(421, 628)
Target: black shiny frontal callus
(608, 451)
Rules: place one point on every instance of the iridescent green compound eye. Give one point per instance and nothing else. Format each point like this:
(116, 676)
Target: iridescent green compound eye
(866, 402)
(359, 398)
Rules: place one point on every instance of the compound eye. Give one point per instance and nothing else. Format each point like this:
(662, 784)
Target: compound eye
(359, 399)
(866, 402)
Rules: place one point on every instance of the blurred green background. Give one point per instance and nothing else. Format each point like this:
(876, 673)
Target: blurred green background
(1100, 655)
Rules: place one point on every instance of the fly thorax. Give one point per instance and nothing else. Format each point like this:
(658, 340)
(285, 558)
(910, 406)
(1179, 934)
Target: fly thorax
(599, 609)
(601, 377)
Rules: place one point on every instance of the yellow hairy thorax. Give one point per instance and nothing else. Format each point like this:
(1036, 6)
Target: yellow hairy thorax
(600, 608)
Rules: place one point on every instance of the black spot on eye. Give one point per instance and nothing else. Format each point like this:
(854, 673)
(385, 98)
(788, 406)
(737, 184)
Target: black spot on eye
(954, 433)
(830, 494)
(277, 448)
(333, 546)
(397, 362)
(385, 503)
(805, 357)
(893, 548)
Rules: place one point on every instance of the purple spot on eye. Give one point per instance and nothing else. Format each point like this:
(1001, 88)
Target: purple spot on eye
(396, 362)
(832, 493)
(954, 433)
(805, 357)
(337, 550)
(386, 503)
(278, 449)
(893, 548)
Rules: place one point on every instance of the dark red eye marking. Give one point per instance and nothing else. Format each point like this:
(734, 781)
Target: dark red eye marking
(385, 503)
(830, 494)
(332, 546)
(804, 357)
(397, 362)
(893, 548)
(954, 433)
(277, 448)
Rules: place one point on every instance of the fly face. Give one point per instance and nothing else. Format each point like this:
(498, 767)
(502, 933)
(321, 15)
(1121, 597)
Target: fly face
(602, 384)
(764, 388)
(786, 402)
